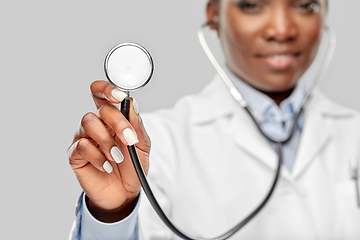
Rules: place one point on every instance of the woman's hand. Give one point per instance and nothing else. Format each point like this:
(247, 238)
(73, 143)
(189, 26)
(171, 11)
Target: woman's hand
(99, 156)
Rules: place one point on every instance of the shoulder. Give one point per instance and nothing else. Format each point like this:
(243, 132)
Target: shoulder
(342, 121)
(177, 126)
(331, 109)
(211, 102)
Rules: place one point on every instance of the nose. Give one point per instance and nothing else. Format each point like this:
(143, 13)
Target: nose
(281, 26)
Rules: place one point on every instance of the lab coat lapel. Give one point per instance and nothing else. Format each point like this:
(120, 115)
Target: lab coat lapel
(315, 135)
(245, 133)
(241, 128)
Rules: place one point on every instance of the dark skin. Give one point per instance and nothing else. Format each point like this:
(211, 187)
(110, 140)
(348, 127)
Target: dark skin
(278, 97)
(255, 34)
(267, 43)
(111, 196)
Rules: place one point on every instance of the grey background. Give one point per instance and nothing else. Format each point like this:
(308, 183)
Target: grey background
(50, 53)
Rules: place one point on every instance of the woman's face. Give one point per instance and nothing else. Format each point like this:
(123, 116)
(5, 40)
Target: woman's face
(269, 43)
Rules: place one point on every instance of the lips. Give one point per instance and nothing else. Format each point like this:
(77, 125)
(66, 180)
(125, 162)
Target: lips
(279, 61)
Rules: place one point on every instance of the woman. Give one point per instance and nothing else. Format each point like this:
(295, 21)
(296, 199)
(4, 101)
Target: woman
(210, 166)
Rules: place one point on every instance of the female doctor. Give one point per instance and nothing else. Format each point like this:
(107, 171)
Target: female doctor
(209, 164)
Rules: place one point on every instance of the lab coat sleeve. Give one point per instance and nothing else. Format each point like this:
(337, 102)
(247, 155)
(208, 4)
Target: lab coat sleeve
(89, 228)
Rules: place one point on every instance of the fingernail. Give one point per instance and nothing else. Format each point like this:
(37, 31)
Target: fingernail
(136, 107)
(118, 95)
(117, 155)
(130, 137)
(107, 167)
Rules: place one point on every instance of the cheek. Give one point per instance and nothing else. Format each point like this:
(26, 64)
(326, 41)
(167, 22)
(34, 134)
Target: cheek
(236, 34)
(239, 38)
(310, 38)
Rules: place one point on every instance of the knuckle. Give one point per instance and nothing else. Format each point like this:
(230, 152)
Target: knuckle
(94, 85)
(106, 141)
(70, 150)
(99, 86)
(103, 109)
(76, 149)
(82, 145)
(88, 118)
(106, 109)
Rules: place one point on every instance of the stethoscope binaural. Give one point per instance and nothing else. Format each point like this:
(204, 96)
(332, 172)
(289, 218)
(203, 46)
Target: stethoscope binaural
(129, 66)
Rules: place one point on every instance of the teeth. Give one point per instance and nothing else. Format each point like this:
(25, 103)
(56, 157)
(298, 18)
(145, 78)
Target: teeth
(281, 57)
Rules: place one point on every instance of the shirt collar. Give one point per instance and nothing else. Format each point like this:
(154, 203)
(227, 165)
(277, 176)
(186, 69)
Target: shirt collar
(263, 107)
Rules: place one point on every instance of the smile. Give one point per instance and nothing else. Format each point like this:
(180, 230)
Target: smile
(279, 61)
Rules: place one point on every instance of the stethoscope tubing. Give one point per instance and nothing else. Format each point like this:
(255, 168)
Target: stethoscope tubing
(140, 172)
(149, 194)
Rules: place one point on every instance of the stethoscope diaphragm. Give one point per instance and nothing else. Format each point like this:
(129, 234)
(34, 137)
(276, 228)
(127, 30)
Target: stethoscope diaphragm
(128, 66)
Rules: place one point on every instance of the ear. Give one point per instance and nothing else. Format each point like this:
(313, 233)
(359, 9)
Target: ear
(212, 15)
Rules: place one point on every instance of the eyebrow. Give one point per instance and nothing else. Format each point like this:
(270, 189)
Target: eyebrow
(294, 1)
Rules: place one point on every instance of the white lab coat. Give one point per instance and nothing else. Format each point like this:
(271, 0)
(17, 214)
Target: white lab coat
(210, 167)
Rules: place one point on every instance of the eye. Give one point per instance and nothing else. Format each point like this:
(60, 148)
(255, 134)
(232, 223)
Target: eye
(308, 7)
(249, 6)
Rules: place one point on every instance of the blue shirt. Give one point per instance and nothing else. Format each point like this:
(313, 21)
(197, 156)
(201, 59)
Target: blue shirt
(275, 121)
(87, 227)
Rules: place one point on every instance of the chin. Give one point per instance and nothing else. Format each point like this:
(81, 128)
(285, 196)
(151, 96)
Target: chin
(277, 83)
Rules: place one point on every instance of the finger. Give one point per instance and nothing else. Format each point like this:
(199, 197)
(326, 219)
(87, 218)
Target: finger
(137, 123)
(143, 146)
(105, 93)
(98, 132)
(83, 152)
(116, 121)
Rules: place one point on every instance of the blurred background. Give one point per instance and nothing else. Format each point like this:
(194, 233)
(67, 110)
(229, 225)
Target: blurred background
(51, 51)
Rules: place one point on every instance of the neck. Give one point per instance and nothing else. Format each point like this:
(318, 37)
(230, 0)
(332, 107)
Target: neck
(278, 97)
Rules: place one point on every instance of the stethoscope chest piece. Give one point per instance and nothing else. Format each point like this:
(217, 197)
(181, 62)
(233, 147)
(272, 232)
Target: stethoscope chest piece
(128, 66)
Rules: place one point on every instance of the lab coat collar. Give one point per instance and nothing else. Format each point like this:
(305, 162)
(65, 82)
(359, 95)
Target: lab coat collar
(213, 102)
(216, 102)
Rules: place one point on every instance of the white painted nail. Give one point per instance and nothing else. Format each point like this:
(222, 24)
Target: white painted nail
(107, 167)
(118, 95)
(117, 155)
(136, 106)
(130, 137)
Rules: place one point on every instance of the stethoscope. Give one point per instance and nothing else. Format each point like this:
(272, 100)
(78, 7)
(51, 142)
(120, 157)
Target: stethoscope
(130, 66)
